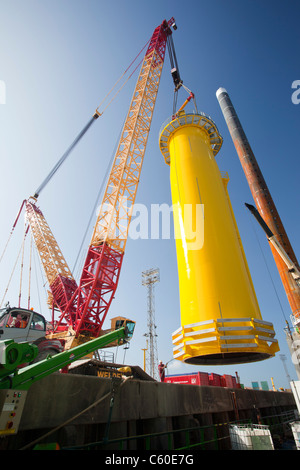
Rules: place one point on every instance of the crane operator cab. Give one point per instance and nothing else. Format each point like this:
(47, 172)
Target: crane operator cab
(115, 324)
(21, 324)
(121, 322)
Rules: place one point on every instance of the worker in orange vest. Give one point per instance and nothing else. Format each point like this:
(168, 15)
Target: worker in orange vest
(21, 321)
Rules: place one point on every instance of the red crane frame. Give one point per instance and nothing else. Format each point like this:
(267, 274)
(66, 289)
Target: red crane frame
(84, 307)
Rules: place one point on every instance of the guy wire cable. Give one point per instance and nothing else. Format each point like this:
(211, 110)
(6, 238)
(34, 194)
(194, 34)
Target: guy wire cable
(87, 126)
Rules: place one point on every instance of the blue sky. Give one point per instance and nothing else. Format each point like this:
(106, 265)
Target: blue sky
(58, 61)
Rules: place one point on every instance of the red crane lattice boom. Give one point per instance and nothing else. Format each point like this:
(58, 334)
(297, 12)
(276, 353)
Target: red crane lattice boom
(83, 307)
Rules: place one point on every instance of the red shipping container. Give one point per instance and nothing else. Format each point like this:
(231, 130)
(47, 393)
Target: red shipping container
(177, 379)
(198, 378)
(228, 381)
(215, 380)
(203, 378)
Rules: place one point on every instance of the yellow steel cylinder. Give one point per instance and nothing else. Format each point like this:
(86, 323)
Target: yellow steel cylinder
(221, 321)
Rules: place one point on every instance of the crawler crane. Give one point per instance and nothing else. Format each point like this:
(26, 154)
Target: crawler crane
(83, 306)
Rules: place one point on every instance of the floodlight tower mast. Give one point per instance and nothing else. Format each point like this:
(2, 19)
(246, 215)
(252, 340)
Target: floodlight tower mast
(149, 278)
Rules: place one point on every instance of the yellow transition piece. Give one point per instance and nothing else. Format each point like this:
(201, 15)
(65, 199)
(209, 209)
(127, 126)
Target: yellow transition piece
(221, 321)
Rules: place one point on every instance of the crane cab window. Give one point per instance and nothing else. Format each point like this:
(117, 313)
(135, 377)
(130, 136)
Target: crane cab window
(38, 322)
(130, 329)
(119, 324)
